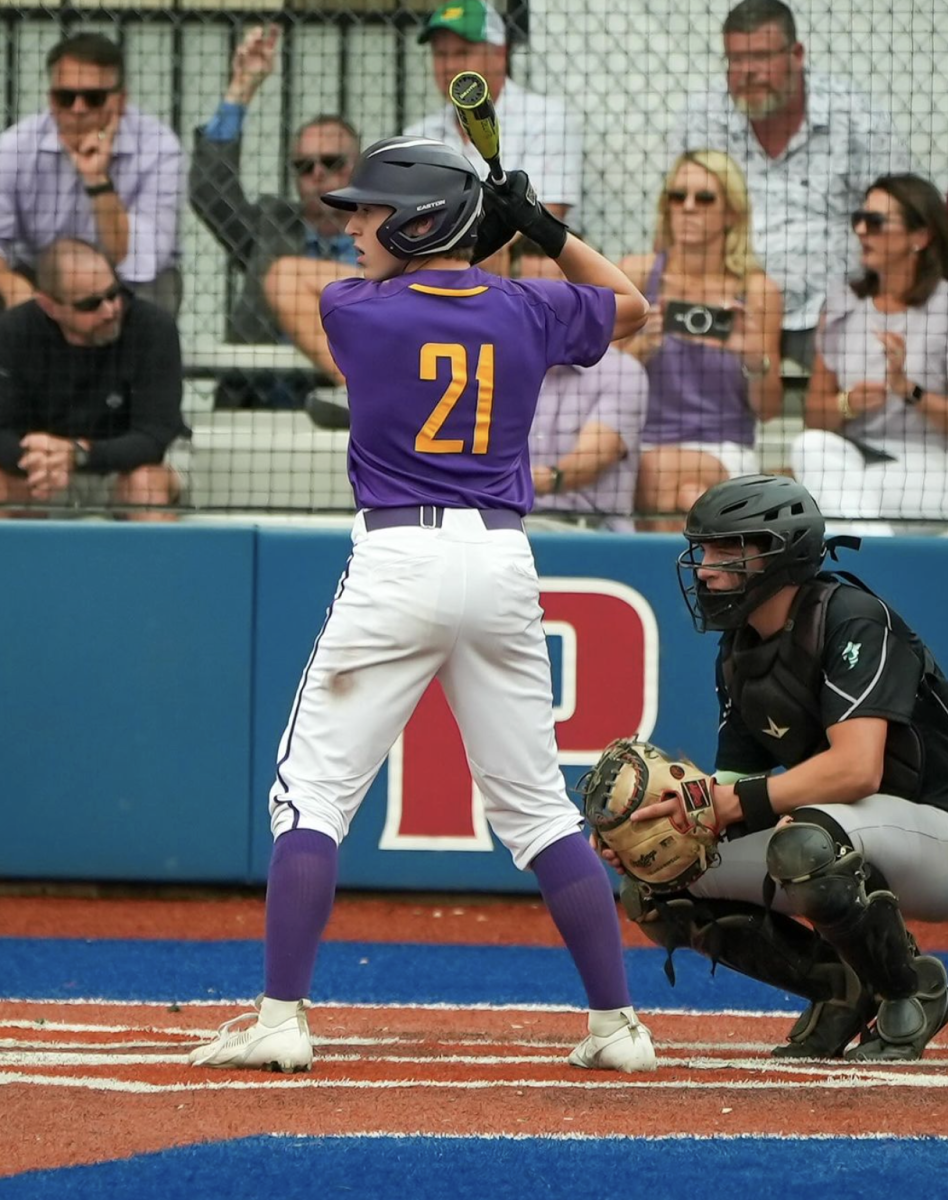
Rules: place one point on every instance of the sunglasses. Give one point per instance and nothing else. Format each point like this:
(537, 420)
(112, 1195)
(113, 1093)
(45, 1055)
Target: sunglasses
(874, 222)
(678, 196)
(750, 57)
(91, 97)
(328, 162)
(91, 304)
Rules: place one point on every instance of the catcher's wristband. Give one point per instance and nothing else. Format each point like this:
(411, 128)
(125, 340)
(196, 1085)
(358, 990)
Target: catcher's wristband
(754, 796)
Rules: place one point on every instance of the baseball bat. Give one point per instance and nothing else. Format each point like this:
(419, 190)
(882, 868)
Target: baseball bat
(472, 101)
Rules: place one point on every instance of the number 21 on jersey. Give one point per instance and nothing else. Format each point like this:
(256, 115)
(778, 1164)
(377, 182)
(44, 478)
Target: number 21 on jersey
(427, 440)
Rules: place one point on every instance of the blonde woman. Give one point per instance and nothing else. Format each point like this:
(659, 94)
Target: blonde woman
(711, 346)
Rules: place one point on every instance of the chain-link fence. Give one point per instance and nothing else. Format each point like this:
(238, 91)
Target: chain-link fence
(624, 88)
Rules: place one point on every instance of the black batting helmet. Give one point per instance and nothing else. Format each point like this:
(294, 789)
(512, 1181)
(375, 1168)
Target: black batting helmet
(774, 515)
(417, 177)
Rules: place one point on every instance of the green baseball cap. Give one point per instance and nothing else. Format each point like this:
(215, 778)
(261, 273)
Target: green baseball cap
(473, 20)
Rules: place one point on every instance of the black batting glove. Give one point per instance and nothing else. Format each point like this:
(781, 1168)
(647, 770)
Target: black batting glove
(517, 202)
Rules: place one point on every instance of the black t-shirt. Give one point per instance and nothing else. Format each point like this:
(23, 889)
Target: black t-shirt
(873, 665)
(124, 397)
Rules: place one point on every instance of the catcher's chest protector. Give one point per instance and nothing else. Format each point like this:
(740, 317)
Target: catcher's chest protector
(775, 685)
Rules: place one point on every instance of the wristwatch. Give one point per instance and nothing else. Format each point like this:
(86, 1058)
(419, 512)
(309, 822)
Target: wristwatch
(100, 189)
(915, 395)
(80, 455)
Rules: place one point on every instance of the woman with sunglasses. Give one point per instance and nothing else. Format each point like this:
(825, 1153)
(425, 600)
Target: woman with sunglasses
(712, 343)
(876, 442)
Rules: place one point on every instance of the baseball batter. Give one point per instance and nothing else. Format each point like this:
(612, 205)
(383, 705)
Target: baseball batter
(443, 364)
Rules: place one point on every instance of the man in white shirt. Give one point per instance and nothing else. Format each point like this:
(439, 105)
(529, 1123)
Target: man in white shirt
(537, 134)
(809, 146)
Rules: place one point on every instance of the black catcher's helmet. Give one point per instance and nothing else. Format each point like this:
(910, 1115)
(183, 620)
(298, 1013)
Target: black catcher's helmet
(417, 177)
(774, 515)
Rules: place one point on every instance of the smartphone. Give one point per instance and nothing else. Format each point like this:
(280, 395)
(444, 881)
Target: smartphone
(698, 320)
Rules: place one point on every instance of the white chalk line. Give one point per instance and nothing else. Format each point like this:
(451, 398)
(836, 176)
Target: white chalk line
(305, 1082)
(56, 1057)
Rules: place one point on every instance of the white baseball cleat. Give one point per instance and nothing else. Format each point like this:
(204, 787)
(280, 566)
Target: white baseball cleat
(284, 1047)
(617, 1041)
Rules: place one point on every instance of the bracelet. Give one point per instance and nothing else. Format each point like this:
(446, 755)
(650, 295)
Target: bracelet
(842, 403)
(556, 479)
(100, 189)
(763, 370)
(754, 797)
(916, 395)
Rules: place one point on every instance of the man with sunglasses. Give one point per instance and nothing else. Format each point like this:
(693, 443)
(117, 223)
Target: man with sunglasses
(92, 167)
(809, 146)
(254, 233)
(90, 392)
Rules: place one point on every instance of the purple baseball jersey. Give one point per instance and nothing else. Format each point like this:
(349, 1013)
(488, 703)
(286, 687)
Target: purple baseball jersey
(443, 370)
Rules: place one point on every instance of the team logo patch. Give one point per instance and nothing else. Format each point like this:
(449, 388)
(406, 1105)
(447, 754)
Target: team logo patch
(676, 772)
(696, 794)
(851, 653)
(774, 730)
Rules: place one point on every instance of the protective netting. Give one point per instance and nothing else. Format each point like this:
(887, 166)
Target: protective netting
(601, 99)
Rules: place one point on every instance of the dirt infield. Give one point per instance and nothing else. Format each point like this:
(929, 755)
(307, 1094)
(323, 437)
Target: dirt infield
(468, 920)
(123, 1068)
(82, 1082)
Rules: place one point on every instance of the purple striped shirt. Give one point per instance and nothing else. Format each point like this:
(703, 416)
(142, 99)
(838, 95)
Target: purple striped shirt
(42, 196)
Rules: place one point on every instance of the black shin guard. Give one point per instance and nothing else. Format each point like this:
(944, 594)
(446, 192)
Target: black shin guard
(769, 947)
(825, 883)
(764, 945)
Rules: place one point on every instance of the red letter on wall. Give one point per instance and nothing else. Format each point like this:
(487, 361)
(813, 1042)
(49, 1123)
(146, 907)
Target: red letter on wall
(608, 688)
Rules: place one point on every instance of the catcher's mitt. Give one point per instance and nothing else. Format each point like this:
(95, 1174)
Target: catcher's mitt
(667, 853)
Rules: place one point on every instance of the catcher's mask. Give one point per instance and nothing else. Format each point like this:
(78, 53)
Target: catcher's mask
(416, 177)
(779, 533)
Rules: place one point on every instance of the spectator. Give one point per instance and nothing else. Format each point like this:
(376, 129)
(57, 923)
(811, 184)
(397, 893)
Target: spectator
(90, 391)
(254, 233)
(877, 405)
(808, 145)
(94, 168)
(584, 441)
(538, 135)
(712, 342)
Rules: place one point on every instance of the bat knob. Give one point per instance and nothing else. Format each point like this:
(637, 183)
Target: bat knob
(468, 89)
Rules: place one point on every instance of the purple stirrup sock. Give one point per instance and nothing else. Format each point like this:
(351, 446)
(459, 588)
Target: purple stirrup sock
(577, 892)
(301, 887)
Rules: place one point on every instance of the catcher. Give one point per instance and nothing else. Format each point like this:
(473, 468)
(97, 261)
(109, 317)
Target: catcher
(818, 676)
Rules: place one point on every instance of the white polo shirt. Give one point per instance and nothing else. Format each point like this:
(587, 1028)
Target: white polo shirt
(537, 135)
(803, 198)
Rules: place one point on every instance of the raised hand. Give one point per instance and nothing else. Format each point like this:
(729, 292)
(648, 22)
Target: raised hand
(893, 344)
(253, 62)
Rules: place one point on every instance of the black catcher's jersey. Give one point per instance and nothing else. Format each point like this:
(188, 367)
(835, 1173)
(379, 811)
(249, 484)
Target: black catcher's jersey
(778, 697)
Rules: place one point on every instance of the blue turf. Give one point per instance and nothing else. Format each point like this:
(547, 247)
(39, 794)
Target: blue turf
(502, 1168)
(353, 973)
